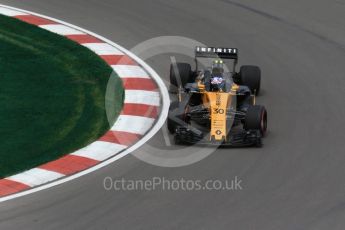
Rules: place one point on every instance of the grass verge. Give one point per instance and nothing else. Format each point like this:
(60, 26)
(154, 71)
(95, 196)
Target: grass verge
(52, 94)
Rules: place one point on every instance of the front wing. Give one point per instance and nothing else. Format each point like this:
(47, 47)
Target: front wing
(240, 138)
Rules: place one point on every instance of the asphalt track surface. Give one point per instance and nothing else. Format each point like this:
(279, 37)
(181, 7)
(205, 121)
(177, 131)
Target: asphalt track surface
(296, 181)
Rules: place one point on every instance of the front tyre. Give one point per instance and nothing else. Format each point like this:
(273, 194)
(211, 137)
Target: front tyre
(176, 116)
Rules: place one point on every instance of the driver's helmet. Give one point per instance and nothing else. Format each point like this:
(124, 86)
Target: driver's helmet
(217, 83)
(217, 67)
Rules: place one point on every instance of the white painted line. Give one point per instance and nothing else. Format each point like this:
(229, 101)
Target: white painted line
(35, 176)
(142, 97)
(127, 71)
(133, 124)
(61, 29)
(100, 150)
(10, 12)
(103, 49)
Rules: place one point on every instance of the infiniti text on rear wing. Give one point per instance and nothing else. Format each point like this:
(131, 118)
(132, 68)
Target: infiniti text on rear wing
(213, 52)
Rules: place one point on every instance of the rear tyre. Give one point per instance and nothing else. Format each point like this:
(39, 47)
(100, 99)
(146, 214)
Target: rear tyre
(180, 74)
(251, 76)
(256, 119)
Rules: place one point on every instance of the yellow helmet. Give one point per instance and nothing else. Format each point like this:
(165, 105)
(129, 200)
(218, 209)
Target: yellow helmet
(217, 66)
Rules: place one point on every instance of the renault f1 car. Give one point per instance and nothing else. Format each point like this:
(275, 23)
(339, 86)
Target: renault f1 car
(214, 105)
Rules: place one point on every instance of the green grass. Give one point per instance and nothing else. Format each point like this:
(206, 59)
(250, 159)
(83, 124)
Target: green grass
(52, 94)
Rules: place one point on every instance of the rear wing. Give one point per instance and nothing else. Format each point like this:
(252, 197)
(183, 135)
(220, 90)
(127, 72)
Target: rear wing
(212, 52)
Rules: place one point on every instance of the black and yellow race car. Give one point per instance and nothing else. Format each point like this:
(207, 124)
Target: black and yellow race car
(214, 105)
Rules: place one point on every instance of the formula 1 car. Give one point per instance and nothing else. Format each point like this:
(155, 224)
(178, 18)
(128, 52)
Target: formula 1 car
(216, 106)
